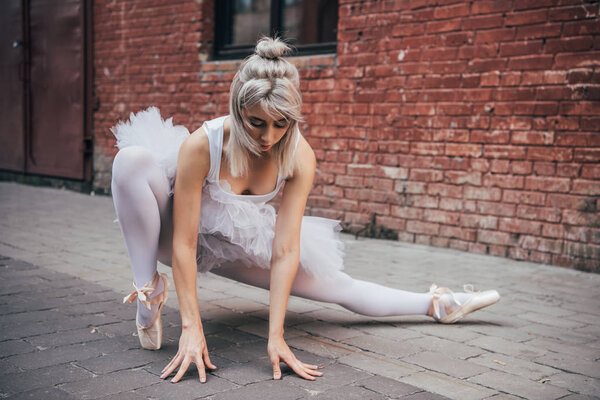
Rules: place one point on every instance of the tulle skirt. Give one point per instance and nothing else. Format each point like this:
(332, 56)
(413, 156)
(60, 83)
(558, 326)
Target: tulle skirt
(232, 228)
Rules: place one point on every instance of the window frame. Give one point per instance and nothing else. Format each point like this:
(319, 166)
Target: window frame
(223, 19)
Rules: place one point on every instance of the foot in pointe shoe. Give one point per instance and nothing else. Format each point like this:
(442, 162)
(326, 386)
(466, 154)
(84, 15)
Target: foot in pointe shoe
(150, 336)
(453, 309)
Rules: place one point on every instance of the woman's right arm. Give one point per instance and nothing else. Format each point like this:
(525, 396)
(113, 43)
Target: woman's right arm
(193, 164)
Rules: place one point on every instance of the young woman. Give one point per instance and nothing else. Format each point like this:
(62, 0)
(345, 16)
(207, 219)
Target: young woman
(214, 217)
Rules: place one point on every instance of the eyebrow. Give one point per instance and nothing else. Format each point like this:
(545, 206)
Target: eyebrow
(260, 119)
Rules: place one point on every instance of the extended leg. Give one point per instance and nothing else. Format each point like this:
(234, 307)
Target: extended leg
(362, 297)
(140, 194)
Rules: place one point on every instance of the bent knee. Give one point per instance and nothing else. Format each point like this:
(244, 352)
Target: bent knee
(129, 162)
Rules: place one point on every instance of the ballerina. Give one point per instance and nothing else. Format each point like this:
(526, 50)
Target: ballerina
(199, 202)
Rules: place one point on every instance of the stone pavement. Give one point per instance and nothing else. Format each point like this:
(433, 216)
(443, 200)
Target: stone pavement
(65, 335)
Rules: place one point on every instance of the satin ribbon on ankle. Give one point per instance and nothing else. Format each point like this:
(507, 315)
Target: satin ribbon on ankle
(143, 293)
(436, 293)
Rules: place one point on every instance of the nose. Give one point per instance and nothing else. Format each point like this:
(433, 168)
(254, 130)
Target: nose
(268, 134)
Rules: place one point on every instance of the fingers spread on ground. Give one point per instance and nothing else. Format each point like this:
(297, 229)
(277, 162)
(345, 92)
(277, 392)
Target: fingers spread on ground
(310, 366)
(207, 361)
(182, 369)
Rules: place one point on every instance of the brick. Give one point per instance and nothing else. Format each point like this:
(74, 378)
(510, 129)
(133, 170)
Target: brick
(544, 168)
(568, 170)
(495, 136)
(547, 184)
(590, 171)
(539, 31)
(520, 226)
(532, 137)
(490, 6)
(521, 167)
(526, 17)
(573, 13)
(426, 175)
(499, 166)
(495, 208)
(576, 60)
(495, 35)
(503, 181)
(569, 44)
(586, 186)
(422, 227)
(458, 232)
(464, 150)
(494, 237)
(530, 62)
(504, 151)
(520, 48)
(462, 177)
(483, 22)
(550, 154)
(539, 213)
(482, 193)
(525, 197)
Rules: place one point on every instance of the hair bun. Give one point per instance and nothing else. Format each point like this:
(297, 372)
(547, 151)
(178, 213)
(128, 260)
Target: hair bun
(271, 48)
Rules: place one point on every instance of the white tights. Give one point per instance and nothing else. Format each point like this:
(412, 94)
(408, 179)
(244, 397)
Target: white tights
(143, 206)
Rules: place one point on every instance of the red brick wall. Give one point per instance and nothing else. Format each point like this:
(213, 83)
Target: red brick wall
(468, 125)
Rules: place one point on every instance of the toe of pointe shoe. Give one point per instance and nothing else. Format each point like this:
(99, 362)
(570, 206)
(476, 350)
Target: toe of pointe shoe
(478, 301)
(150, 337)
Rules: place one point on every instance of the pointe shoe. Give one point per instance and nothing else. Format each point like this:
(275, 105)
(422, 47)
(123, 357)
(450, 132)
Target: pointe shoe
(476, 302)
(150, 336)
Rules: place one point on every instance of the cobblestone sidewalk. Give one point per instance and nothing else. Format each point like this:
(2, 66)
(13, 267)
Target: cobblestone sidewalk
(64, 334)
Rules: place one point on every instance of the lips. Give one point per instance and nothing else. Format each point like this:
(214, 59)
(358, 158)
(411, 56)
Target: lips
(265, 147)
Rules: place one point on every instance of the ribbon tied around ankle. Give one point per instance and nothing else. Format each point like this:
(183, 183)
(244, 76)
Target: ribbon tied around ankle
(436, 293)
(142, 294)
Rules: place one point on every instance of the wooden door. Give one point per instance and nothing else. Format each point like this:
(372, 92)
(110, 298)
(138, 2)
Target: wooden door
(50, 95)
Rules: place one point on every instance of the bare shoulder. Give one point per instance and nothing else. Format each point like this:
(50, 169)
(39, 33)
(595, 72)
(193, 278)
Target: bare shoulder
(194, 155)
(306, 162)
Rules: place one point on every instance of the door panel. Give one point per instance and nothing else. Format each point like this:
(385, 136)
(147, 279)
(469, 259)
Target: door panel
(57, 88)
(12, 131)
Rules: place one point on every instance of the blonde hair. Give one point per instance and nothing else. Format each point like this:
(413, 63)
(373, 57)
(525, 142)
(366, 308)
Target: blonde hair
(264, 78)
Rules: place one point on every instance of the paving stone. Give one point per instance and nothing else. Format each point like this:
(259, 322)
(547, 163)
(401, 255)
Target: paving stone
(105, 385)
(41, 378)
(424, 396)
(49, 393)
(349, 392)
(588, 352)
(503, 346)
(118, 361)
(441, 363)
(390, 331)
(321, 346)
(12, 347)
(447, 386)
(514, 384)
(54, 356)
(335, 375)
(188, 388)
(126, 396)
(388, 387)
(74, 336)
(331, 331)
(570, 363)
(378, 365)
(6, 367)
(387, 347)
(266, 390)
(515, 366)
(578, 383)
(451, 349)
(243, 374)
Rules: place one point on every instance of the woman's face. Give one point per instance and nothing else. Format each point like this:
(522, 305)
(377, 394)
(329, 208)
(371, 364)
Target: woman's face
(264, 129)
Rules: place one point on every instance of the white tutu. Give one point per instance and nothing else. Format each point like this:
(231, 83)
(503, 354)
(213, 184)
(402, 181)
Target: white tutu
(233, 228)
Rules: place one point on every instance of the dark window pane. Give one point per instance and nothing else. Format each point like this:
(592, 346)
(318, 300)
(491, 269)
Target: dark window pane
(309, 21)
(250, 19)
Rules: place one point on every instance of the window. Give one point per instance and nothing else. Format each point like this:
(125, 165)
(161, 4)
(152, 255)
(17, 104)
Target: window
(309, 25)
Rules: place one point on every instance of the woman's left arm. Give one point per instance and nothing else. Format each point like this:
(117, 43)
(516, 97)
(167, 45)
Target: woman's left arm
(285, 259)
